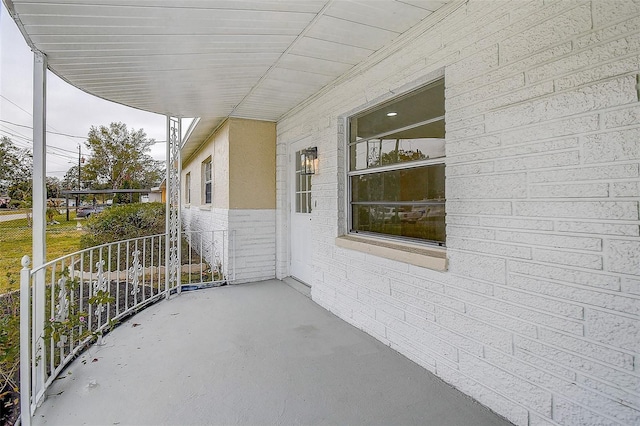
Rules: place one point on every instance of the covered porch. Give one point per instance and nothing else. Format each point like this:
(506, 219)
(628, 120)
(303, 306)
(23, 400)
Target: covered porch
(527, 299)
(258, 353)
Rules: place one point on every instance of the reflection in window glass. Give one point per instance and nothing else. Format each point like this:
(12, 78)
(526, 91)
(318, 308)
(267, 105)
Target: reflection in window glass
(421, 108)
(407, 202)
(418, 184)
(396, 167)
(382, 152)
(421, 221)
(303, 188)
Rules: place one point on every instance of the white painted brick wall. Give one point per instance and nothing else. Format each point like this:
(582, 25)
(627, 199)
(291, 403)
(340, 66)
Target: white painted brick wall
(538, 316)
(255, 244)
(253, 238)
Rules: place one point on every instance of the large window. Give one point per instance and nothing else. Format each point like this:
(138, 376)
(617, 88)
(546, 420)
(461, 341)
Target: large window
(206, 180)
(396, 167)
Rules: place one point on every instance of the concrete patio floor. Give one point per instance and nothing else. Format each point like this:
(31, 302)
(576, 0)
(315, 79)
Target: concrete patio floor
(254, 354)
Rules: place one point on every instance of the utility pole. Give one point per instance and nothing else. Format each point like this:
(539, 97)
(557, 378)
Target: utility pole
(79, 161)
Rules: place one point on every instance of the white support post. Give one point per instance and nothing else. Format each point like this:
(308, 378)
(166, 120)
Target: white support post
(177, 198)
(25, 343)
(39, 247)
(167, 220)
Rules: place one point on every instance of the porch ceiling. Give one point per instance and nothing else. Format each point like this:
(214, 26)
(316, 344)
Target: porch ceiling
(211, 58)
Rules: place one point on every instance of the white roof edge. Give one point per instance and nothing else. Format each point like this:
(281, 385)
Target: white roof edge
(190, 129)
(14, 15)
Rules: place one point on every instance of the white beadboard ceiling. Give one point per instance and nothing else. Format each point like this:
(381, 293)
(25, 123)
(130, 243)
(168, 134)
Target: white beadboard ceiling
(211, 58)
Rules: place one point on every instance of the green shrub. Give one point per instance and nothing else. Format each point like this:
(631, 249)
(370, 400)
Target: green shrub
(123, 222)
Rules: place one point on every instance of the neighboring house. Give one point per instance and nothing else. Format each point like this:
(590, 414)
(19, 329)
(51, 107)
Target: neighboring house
(157, 195)
(476, 199)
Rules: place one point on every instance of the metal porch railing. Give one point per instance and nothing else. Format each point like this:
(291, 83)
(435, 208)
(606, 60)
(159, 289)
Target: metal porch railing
(69, 303)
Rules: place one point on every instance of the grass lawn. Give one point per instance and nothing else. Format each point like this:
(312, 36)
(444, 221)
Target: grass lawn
(15, 242)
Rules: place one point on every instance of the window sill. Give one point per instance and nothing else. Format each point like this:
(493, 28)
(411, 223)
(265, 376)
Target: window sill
(186, 206)
(425, 257)
(206, 207)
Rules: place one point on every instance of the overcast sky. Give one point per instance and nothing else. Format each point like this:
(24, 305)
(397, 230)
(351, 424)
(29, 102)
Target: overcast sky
(69, 110)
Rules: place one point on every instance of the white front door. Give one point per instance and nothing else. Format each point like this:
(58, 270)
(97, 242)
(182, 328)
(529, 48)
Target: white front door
(300, 229)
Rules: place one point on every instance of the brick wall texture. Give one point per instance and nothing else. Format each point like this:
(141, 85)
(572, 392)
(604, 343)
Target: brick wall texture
(250, 251)
(538, 315)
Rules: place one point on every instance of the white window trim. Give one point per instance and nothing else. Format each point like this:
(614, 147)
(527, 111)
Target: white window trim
(430, 257)
(426, 255)
(208, 161)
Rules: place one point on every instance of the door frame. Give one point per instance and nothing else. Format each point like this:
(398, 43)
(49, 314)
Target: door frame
(294, 147)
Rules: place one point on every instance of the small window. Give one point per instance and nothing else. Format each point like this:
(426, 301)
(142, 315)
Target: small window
(187, 188)
(303, 188)
(206, 181)
(396, 167)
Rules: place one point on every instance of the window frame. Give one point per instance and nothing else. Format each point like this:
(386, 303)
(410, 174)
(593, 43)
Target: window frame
(389, 167)
(207, 163)
(297, 187)
(187, 188)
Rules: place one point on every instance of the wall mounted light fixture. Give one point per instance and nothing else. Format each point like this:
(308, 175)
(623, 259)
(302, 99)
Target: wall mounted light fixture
(309, 161)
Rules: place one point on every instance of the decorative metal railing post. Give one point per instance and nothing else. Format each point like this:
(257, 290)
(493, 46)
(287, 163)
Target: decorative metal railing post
(25, 342)
(173, 225)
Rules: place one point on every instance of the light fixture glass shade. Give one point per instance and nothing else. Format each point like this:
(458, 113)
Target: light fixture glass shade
(309, 161)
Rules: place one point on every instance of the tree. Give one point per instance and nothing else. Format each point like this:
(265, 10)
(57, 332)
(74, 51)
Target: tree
(54, 186)
(119, 159)
(16, 168)
(70, 180)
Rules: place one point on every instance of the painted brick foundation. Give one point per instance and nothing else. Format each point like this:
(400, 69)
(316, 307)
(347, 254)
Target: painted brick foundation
(253, 238)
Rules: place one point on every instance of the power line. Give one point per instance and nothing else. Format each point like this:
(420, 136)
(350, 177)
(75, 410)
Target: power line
(15, 104)
(22, 109)
(59, 155)
(48, 131)
(59, 133)
(15, 135)
(24, 136)
(30, 142)
(61, 149)
(21, 144)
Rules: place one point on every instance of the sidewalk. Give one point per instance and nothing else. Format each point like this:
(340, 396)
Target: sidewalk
(8, 217)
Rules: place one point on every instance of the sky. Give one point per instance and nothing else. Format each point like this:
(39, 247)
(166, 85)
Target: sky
(69, 110)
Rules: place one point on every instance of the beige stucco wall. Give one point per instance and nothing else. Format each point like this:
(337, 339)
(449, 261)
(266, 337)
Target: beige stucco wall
(252, 164)
(243, 154)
